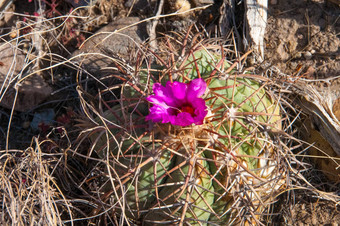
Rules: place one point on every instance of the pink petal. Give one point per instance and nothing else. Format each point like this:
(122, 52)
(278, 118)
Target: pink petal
(164, 93)
(160, 91)
(179, 91)
(197, 87)
(157, 101)
(200, 110)
(182, 119)
(158, 114)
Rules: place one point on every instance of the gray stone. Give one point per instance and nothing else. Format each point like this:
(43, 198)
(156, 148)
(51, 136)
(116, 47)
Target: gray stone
(32, 89)
(116, 38)
(307, 55)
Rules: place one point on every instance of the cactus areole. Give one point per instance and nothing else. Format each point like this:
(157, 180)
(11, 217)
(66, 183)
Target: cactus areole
(178, 103)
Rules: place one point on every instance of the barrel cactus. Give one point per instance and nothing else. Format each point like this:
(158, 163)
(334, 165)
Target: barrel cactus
(192, 146)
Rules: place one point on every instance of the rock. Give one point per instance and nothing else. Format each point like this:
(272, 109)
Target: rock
(307, 55)
(32, 89)
(7, 9)
(45, 116)
(282, 53)
(97, 52)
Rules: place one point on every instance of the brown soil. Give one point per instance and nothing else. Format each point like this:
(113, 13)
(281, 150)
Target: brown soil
(301, 209)
(304, 35)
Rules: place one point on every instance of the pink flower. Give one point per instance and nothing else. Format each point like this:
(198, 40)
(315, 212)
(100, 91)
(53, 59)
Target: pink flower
(178, 103)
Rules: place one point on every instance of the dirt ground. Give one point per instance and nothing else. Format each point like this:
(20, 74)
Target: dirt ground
(304, 36)
(302, 39)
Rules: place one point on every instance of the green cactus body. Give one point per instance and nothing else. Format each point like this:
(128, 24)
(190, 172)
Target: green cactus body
(180, 188)
(119, 133)
(135, 89)
(244, 109)
(205, 61)
(141, 191)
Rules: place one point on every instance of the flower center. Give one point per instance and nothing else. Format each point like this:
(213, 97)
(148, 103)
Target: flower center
(187, 108)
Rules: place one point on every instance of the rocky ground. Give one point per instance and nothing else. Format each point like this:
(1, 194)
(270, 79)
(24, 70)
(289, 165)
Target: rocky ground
(303, 38)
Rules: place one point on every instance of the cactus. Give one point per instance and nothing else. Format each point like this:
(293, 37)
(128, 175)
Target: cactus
(210, 144)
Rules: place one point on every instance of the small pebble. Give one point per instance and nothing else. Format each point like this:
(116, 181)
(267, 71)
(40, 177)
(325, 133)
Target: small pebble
(293, 65)
(307, 55)
(26, 124)
(298, 55)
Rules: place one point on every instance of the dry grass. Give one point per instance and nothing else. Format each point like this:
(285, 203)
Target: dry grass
(30, 193)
